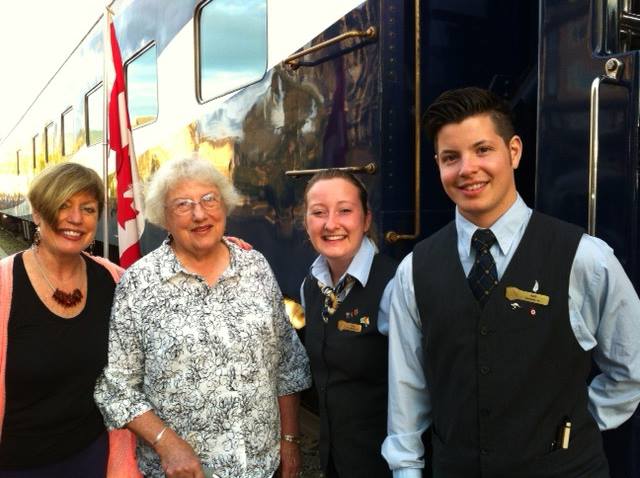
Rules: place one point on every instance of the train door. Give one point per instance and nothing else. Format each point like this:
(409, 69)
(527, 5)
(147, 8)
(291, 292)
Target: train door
(489, 44)
(587, 169)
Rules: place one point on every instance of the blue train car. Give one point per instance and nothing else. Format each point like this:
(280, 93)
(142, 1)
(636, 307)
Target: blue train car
(587, 163)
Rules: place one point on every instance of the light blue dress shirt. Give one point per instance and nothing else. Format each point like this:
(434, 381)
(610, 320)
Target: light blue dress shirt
(359, 269)
(604, 311)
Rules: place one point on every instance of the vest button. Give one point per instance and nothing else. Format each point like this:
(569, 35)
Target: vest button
(484, 330)
(485, 370)
(485, 412)
(484, 451)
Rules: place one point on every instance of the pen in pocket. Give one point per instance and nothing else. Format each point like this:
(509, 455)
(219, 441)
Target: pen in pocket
(563, 436)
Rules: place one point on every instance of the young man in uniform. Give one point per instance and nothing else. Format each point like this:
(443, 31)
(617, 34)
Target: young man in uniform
(495, 318)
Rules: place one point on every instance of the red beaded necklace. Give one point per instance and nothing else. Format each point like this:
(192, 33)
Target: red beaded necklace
(65, 299)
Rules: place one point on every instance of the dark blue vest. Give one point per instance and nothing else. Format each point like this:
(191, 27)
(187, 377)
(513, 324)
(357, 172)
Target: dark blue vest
(504, 378)
(349, 370)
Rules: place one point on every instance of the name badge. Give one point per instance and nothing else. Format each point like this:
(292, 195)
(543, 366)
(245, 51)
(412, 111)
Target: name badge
(344, 325)
(513, 293)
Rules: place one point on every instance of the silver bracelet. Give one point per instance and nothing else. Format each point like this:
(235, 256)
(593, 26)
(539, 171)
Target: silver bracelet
(159, 436)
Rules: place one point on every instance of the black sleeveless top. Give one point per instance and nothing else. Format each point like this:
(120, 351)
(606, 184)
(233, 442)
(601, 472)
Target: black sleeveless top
(52, 367)
(504, 378)
(349, 368)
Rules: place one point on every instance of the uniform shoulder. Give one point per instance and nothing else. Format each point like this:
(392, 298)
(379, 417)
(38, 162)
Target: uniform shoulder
(550, 223)
(592, 255)
(386, 263)
(442, 235)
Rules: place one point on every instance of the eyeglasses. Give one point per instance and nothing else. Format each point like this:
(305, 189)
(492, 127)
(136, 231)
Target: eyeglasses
(182, 206)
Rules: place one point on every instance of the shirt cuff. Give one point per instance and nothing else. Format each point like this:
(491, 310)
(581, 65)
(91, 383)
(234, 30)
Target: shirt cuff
(407, 473)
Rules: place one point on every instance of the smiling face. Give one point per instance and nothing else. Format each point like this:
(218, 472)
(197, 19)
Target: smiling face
(197, 232)
(336, 222)
(477, 168)
(75, 226)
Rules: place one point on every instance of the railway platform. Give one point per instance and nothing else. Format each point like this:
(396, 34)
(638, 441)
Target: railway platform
(10, 242)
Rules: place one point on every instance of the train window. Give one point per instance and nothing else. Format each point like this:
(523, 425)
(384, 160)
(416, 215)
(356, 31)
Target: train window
(94, 115)
(231, 39)
(142, 87)
(49, 142)
(35, 142)
(68, 133)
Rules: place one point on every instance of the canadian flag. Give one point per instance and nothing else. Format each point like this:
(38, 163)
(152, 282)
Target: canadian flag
(129, 189)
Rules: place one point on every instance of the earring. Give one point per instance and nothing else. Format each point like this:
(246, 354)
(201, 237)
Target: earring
(36, 237)
(89, 249)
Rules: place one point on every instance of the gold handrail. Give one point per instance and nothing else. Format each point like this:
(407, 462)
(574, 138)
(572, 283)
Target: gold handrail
(370, 168)
(393, 236)
(368, 34)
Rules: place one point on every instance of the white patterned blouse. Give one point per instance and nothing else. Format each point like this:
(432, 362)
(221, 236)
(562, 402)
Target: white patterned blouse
(209, 360)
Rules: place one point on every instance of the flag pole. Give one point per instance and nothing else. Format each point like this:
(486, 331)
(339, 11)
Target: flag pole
(105, 132)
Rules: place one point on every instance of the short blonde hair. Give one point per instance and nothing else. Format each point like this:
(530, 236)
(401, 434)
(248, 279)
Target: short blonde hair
(56, 184)
(176, 171)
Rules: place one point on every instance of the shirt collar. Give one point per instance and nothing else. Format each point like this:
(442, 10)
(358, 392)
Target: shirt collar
(358, 269)
(505, 228)
(170, 265)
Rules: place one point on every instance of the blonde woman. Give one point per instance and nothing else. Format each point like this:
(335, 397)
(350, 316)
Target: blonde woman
(345, 297)
(54, 319)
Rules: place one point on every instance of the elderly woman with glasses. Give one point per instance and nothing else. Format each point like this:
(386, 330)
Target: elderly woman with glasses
(203, 366)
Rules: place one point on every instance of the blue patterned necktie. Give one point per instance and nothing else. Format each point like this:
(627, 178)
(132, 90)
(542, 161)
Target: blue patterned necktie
(483, 277)
(332, 296)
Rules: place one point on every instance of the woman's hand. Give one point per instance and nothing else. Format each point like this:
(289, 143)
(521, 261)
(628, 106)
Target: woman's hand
(290, 461)
(239, 242)
(177, 457)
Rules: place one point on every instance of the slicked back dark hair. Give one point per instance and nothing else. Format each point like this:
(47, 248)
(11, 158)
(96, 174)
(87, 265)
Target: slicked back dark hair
(454, 106)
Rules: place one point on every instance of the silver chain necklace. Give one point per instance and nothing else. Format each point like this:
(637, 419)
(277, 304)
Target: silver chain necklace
(65, 299)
